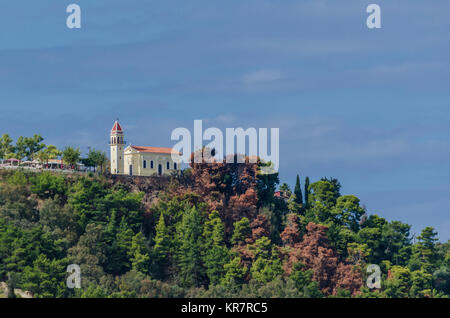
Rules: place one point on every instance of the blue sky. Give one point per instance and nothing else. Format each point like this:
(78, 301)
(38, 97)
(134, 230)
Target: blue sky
(369, 107)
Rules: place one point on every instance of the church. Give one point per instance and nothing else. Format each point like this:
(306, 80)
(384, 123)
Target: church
(139, 160)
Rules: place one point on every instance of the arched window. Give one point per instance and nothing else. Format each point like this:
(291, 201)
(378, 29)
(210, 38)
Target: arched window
(168, 165)
(151, 164)
(144, 164)
(175, 166)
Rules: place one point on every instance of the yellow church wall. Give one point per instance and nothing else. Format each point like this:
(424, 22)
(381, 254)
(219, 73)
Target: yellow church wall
(136, 159)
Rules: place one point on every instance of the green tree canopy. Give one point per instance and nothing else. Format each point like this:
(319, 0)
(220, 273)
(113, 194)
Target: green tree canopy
(71, 155)
(189, 234)
(96, 158)
(6, 147)
(28, 147)
(215, 252)
(161, 249)
(242, 231)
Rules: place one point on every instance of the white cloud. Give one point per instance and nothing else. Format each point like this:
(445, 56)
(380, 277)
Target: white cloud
(262, 76)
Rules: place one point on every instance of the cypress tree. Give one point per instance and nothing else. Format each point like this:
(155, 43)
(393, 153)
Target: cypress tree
(298, 191)
(306, 192)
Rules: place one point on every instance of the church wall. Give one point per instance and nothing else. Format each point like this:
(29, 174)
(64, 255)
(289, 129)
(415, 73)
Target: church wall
(136, 159)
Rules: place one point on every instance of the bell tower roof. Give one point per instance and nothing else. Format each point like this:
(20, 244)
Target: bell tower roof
(116, 128)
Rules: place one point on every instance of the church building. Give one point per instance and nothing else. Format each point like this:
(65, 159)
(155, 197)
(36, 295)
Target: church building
(139, 160)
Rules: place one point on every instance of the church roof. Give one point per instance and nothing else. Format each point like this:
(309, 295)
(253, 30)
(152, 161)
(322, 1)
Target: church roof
(116, 127)
(154, 150)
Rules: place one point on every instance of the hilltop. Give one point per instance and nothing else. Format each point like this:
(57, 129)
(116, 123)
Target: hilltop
(213, 230)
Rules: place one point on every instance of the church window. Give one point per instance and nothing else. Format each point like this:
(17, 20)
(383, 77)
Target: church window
(144, 164)
(175, 165)
(151, 164)
(168, 165)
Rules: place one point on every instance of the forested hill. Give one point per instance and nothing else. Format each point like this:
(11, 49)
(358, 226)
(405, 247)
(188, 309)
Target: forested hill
(215, 230)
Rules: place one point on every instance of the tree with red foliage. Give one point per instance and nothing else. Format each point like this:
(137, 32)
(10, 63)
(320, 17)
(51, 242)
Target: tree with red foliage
(315, 252)
(260, 227)
(291, 234)
(229, 188)
(348, 277)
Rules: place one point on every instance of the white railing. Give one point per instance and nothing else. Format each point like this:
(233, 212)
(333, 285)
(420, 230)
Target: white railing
(38, 169)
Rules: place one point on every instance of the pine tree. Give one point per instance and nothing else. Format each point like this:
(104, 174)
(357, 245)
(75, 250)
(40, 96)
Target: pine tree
(189, 256)
(139, 254)
(298, 191)
(424, 252)
(242, 231)
(215, 254)
(111, 227)
(161, 249)
(235, 273)
(302, 279)
(118, 258)
(267, 265)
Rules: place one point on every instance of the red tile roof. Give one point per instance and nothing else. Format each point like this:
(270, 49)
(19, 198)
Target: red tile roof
(154, 149)
(281, 194)
(116, 127)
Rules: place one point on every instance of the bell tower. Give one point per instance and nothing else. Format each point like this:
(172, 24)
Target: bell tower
(117, 144)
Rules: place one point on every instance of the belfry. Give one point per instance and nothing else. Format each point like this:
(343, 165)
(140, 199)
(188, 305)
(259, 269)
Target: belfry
(139, 160)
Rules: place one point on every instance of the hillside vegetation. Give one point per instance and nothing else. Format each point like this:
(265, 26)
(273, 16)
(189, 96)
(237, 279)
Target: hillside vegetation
(215, 230)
